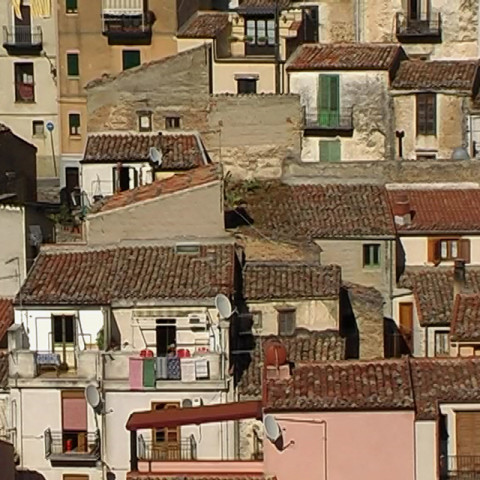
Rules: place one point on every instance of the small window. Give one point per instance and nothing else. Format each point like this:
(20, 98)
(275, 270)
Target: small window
(442, 347)
(38, 128)
(24, 83)
(187, 248)
(74, 124)
(130, 59)
(246, 85)
(448, 249)
(71, 6)
(63, 329)
(168, 435)
(286, 321)
(426, 157)
(371, 255)
(257, 320)
(73, 69)
(330, 151)
(426, 114)
(145, 121)
(172, 122)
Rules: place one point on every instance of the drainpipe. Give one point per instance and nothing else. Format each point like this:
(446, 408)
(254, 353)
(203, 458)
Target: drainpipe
(133, 451)
(400, 134)
(277, 48)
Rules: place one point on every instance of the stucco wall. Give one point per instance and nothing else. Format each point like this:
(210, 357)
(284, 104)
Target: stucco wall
(360, 445)
(426, 450)
(7, 460)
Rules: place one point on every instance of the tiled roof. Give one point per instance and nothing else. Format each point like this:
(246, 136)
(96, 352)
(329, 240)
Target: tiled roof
(3, 370)
(290, 280)
(262, 6)
(6, 315)
(433, 289)
(466, 319)
(449, 380)
(296, 212)
(440, 210)
(442, 75)
(345, 385)
(102, 276)
(345, 56)
(179, 151)
(204, 25)
(180, 181)
(304, 346)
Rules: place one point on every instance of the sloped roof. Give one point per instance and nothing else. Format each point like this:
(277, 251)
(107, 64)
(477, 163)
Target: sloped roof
(103, 276)
(440, 209)
(436, 75)
(345, 56)
(466, 318)
(290, 280)
(307, 212)
(204, 25)
(6, 315)
(176, 183)
(261, 6)
(179, 151)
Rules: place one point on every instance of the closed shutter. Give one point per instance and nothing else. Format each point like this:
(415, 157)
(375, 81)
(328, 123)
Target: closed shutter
(74, 412)
(464, 249)
(426, 114)
(330, 151)
(72, 64)
(434, 251)
(328, 97)
(468, 435)
(406, 317)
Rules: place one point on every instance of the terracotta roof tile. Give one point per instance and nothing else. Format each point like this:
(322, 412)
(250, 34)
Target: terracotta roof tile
(344, 385)
(433, 290)
(304, 346)
(306, 212)
(103, 276)
(179, 151)
(262, 6)
(466, 319)
(6, 315)
(440, 210)
(3, 370)
(204, 25)
(345, 56)
(289, 280)
(441, 75)
(180, 181)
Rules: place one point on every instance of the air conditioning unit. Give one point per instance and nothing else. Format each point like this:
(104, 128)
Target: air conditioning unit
(197, 402)
(197, 319)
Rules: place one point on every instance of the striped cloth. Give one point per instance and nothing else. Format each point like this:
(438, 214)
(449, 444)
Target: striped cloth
(41, 8)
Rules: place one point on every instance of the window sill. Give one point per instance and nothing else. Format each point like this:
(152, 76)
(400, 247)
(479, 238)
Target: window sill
(39, 136)
(73, 77)
(371, 267)
(28, 102)
(75, 137)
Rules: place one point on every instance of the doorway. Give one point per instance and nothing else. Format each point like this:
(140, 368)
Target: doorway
(23, 26)
(166, 335)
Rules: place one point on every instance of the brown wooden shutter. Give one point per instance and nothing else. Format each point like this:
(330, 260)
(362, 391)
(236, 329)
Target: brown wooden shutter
(431, 114)
(464, 249)
(406, 317)
(434, 251)
(74, 411)
(421, 114)
(468, 433)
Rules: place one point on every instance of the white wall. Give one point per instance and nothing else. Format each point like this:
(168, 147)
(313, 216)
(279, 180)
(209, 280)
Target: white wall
(426, 454)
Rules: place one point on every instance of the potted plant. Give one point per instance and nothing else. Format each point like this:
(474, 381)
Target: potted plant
(248, 38)
(262, 40)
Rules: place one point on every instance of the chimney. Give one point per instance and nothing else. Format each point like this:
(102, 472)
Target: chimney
(401, 210)
(458, 278)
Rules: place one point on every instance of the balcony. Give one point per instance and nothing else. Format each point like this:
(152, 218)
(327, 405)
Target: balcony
(23, 40)
(329, 124)
(149, 451)
(463, 467)
(72, 449)
(422, 29)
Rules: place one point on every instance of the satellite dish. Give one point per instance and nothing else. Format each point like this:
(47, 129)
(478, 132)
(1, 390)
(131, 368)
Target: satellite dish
(272, 429)
(155, 156)
(187, 403)
(92, 395)
(223, 306)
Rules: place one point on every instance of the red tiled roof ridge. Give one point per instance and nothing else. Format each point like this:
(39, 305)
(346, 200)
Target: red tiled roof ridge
(183, 32)
(466, 318)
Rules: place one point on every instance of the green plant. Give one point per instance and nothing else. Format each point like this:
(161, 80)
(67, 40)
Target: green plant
(63, 217)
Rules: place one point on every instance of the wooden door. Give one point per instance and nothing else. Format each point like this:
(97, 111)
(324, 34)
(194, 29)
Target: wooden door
(468, 441)
(328, 100)
(406, 322)
(166, 441)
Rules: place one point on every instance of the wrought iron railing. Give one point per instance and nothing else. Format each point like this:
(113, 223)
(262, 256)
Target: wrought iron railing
(185, 449)
(460, 467)
(22, 35)
(65, 444)
(342, 119)
(127, 24)
(423, 25)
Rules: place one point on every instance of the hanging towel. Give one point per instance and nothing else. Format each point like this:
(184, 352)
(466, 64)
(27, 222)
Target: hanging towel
(41, 8)
(16, 8)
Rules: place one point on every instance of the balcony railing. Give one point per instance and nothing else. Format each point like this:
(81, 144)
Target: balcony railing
(185, 449)
(128, 29)
(427, 27)
(23, 39)
(341, 120)
(463, 467)
(67, 448)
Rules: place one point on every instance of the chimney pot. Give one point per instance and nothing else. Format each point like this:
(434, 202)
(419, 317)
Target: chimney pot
(401, 210)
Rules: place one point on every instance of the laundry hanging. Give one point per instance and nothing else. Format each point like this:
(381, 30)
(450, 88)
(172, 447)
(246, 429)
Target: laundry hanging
(16, 4)
(41, 8)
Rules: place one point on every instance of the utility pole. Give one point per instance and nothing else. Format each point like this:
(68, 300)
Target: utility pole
(278, 71)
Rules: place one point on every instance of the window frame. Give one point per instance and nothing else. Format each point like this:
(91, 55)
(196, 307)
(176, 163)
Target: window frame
(62, 318)
(333, 156)
(250, 81)
(172, 119)
(445, 334)
(38, 123)
(426, 113)
(260, 30)
(369, 252)
(17, 68)
(125, 53)
(148, 116)
(73, 10)
(165, 430)
(77, 64)
(288, 314)
(74, 130)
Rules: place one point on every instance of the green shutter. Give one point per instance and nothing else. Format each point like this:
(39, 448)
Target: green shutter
(149, 372)
(72, 65)
(328, 97)
(131, 58)
(71, 6)
(330, 151)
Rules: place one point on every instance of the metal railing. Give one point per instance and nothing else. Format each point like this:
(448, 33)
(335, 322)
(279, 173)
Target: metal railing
(127, 25)
(185, 449)
(61, 444)
(423, 25)
(343, 119)
(460, 467)
(22, 35)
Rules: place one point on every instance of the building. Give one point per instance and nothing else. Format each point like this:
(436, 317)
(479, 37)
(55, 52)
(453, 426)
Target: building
(464, 326)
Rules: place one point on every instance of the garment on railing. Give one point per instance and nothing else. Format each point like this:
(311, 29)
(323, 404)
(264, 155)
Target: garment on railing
(48, 359)
(173, 368)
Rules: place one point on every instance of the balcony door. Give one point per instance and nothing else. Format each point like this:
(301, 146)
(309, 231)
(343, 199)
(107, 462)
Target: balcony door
(468, 442)
(74, 422)
(63, 338)
(23, 26)
(406, 323)
(328, 97)
(166, 441)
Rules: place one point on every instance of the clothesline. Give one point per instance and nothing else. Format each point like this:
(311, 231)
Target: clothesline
(39, 8)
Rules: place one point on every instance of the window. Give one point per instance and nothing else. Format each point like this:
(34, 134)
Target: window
(24, 83)
(442, 347)
(144, 121)
(371, 255)
(448, 249)
(246, 85)
(166, 335)
(130, 59)
(257, 320)
(172, 122)
(330, 151)
(426, 114)
(38, 128)
(260, 36)
(286, 321)
(74, 124)
(73, 69)
(63, 329)
(166, 445)
(124, 179)
(328, 100)
(74, 422)
(71, 6)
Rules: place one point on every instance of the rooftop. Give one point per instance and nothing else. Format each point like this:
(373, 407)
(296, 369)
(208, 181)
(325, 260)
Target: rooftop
(290, 280)
(6, 315)
(129, 274)
(262, 6)
(204, 25)
(3, 370)
(345, 56)
(466, 318)
(441, 75)
(178, 151)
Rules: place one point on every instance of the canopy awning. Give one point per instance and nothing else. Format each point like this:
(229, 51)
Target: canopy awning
(123, 7)
(194, 415)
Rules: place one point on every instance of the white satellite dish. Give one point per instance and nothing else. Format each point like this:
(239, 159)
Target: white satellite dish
(272, 429)
(223, 306)
(92, 395)
(155, 156)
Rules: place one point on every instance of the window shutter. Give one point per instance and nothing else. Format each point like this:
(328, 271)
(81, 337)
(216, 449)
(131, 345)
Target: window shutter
(434, 251)
(335, 154)
(464, 249)
(72, 64)
(467, 433)
(421, 114)
(431, 114)
(334, 100)
(74, 411)
(323, 98)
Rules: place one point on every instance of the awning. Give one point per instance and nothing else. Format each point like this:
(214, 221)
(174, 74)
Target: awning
(194, 415)
(123, 7)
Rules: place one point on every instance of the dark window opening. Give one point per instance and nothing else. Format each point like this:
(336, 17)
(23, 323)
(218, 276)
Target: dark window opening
(63, 329)
(247, 85)
(74, 124)
(286, 321)
(166, 336)
(371, 255)
(71, 6)
(38, 128)
(130, 59)
(24, 83)
(426, 114)
(73, 69)
(172, 122)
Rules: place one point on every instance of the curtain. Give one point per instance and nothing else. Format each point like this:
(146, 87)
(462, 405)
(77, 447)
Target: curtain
(41, 8)
(16, 8)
